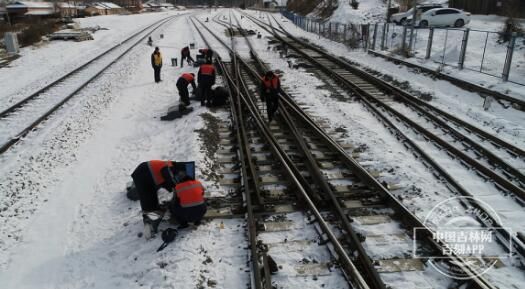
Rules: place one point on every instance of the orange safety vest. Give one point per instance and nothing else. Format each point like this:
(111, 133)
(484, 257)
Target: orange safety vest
(190, 193)
(271, 83)
(155, 166)
(207, 69)
(189, 78)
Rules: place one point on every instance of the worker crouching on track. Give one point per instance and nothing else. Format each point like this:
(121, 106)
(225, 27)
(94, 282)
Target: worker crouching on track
(207, 53)
(206, 79)
(185, 54)
(182, 85)
(156, 62)
(270, 86)
(150, 177)
(188, 204)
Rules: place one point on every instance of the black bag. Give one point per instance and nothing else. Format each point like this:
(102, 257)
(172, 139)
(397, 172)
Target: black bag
(132, 192)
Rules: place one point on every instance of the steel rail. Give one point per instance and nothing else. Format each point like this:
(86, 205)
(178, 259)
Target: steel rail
(480, 282)
(246, 162)
(516, 241)
(43, 117)
(456, 81)
(389, 88)
(500, 181)
(301, 184)
(352, 238)
(33, 95)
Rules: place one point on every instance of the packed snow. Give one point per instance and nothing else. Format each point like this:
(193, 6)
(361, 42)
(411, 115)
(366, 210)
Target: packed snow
(66, 222)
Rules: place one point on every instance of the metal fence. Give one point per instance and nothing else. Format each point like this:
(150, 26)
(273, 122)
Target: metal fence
(468, 49)
(353, 35)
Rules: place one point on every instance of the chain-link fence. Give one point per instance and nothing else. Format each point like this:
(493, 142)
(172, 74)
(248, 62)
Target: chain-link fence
(476, 50)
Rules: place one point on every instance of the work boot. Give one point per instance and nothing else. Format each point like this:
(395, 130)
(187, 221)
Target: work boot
(151, 223)
(183, 226)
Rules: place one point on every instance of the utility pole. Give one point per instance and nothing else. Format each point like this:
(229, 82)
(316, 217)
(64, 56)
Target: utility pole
(388, 11)
(414, 15)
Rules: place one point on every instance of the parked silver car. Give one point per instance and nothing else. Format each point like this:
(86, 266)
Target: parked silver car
(402, 17)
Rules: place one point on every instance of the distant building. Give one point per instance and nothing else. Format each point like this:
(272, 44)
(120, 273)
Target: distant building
(69, 9)
(274, 4)
(130, 5)
(515, 8)
(103, 8)
(22, 9)
(156, 5)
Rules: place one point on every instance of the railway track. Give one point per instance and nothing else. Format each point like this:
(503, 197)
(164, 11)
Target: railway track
(381, 103)
(474, 147)
(483, 91)
(24, 116)
(330, 184)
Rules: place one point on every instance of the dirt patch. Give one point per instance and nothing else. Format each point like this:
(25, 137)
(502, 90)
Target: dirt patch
(209, 135)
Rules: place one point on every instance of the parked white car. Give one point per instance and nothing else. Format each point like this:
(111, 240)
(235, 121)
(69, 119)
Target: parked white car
(444, 17)
(402, 17)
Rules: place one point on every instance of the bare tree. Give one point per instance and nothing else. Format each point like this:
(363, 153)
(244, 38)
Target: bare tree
(4, 5)
(512, 24)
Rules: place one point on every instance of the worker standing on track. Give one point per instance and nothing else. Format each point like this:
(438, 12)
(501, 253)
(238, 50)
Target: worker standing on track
(270, 86)
(156, 62)
(206, 79)
(149, 177)
(182, 85)
(185, 54)
(188, 204)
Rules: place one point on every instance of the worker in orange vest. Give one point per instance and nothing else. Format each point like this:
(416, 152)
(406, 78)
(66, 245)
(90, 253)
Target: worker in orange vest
(206, 79)
(182, 85)
(270, 86)
(156, 62)
(185, 54)
(149, 177)
(188, 204)
(207, 53)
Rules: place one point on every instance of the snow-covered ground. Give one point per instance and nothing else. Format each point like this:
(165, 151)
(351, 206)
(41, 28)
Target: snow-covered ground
(381, 151)
(507, 123)
(66, 222)
(485, 55)
(369, 11)
(42, 64)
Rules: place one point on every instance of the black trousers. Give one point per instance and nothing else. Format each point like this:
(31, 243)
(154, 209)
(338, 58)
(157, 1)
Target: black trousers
(146, 188)
(272, 103)
(185, 215)
(205, 90)
(156, 72)
(184, 94)
(186, 57)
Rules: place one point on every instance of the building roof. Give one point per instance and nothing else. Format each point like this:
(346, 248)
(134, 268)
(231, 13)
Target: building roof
(109, 5)
(104, 5)
(30, 4)
(68, 5)
(40, 12)
(158, 4)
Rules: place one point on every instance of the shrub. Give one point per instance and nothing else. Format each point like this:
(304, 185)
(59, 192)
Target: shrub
(34, 32)
(511, 25)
